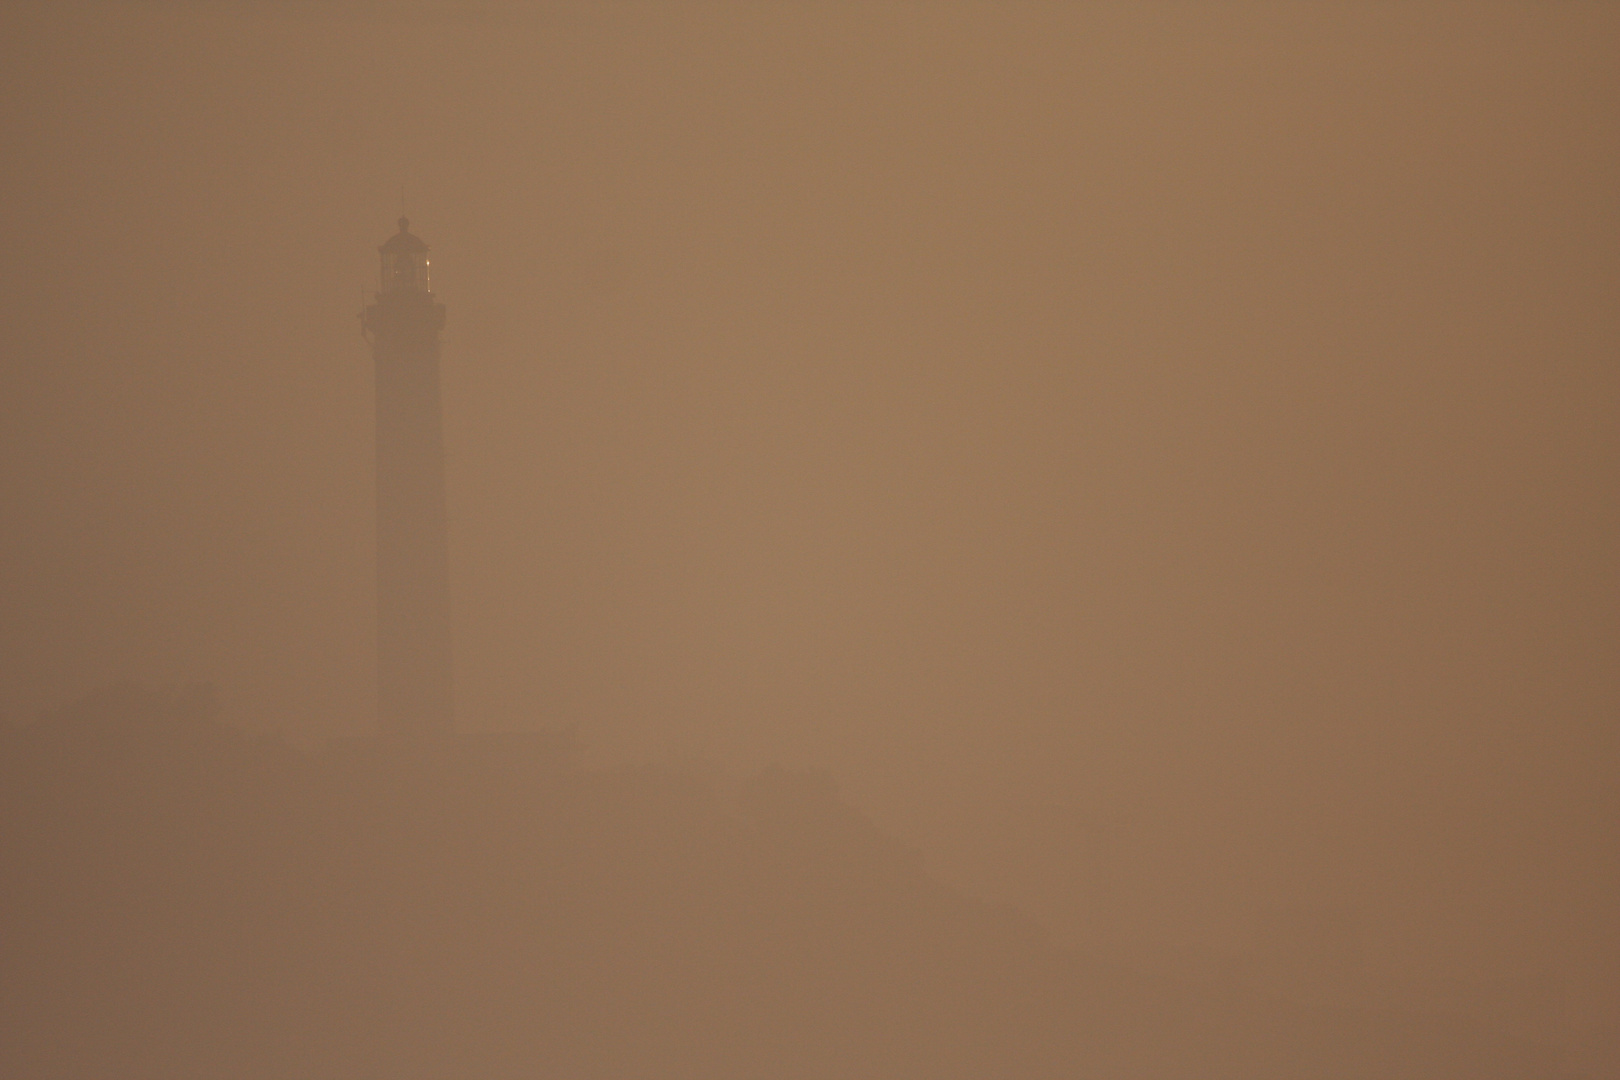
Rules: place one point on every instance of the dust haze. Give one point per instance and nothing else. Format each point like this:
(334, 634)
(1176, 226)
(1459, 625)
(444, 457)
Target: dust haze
(1023, 539)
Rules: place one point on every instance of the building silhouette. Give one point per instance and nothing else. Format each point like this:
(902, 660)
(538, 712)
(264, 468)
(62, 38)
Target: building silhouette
(414, 695)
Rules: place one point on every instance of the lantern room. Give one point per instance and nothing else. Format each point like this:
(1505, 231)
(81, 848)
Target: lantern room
(404, 262)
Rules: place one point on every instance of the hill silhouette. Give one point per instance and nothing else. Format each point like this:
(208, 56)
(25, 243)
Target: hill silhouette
(184, 900)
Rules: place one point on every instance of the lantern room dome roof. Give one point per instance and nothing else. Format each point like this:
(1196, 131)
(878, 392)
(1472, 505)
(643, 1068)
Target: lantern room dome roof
(403, 240)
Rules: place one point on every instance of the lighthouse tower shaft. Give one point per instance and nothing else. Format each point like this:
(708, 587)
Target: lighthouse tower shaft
(413, 560)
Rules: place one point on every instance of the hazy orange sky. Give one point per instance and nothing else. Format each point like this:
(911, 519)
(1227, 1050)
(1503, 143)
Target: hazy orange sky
(1161, 458)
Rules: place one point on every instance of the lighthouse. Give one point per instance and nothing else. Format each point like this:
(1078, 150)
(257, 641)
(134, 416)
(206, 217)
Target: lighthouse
(413, 559)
